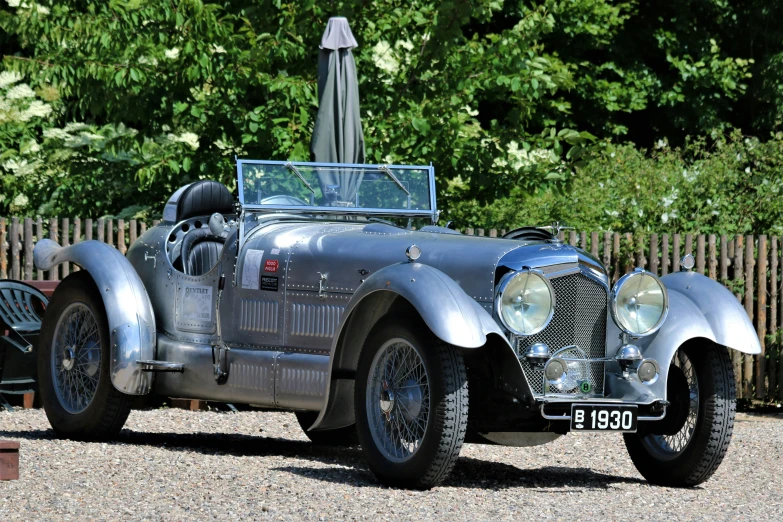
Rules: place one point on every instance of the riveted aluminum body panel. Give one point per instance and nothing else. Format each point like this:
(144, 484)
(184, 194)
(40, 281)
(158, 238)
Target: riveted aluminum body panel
(300, 380)
(185, 306)
(251, 373)
(262, 376)
(252, 309)
(128, 307)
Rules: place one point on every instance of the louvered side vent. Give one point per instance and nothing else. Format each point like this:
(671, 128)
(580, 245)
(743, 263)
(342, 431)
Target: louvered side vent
(258, 316)
(315, 320)
(299, 382)
(251, 377)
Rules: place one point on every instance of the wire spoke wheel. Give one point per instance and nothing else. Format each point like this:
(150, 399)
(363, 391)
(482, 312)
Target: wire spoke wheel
(76, 358)
(398, 399)
(671, 446)
(687, 446)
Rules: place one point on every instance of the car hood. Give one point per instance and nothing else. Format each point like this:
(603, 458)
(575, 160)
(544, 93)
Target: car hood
(347, 253)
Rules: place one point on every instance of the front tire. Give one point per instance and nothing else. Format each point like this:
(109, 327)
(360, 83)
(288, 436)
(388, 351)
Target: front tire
(687, 447)
(411, 404)
(77, 394)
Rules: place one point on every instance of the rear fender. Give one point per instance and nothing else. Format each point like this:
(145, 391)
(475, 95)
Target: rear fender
(128, 307)
(451, 315)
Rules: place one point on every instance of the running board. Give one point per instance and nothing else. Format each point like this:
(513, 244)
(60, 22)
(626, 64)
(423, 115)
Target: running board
(161, 366)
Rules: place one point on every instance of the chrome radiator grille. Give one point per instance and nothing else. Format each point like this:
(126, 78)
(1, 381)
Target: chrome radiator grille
(579, 319)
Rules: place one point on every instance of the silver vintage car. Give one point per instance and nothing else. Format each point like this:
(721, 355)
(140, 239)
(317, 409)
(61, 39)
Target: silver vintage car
(329, 290)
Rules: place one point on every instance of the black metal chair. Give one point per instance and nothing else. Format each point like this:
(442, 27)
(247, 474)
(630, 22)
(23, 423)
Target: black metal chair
(21, 309)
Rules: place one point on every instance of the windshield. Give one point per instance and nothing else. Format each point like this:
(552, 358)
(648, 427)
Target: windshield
(336, 189)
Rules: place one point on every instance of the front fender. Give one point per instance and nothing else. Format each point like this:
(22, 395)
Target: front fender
(128, 307)
(452, 315)
(699, 308)
(727, 320)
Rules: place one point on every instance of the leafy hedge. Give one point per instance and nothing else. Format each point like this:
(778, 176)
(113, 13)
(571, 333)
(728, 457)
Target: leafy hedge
(724, 184)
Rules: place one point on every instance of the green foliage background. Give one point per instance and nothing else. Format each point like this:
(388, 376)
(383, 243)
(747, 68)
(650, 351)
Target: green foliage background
(527, 109)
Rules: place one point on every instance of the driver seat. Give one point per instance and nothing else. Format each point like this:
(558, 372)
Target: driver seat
(200, 248)
(201, 251)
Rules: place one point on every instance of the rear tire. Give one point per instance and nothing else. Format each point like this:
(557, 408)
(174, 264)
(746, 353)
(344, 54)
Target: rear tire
(411, 404)
(688, 454)
(76, 391)
(340, 437)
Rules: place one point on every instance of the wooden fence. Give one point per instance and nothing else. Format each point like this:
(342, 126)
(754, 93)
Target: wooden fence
(748, 265)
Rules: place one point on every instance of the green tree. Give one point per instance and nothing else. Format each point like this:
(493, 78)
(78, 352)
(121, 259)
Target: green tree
(503, 97)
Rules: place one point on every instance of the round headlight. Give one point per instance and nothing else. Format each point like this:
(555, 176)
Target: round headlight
(639, 303)
(526, 302)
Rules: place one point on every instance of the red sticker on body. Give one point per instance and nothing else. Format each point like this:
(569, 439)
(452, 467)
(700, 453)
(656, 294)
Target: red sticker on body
(271, 265)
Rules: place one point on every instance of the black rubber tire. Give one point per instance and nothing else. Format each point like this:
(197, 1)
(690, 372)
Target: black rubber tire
(106, 414)
(714, 424)
(340, 437)
(445, 432)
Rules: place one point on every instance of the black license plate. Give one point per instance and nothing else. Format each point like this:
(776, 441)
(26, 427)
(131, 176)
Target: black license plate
(604, 417)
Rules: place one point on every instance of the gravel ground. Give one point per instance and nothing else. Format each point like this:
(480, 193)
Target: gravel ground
(177, 465)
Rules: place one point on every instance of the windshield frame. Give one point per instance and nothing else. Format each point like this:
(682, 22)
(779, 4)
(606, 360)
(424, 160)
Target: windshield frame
(431, 213)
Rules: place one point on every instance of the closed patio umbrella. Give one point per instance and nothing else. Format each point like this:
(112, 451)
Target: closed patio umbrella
(337, 135)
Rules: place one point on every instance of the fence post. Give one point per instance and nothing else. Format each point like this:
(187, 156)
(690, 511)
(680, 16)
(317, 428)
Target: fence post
(66, 235)
(773, 319)
(654, 263)
(101, 230)
(3, 246)
(109, 232)
(780, 348)
(616, 256)
(700, 254)
(133, 228)
(28, 249)
(761, 317)
(713, 266)
(583, 240)
(88, 229)
(738, 275)
(608, 250)
(572, 238)
(143, 228)
(493, 232)
(14, 241)
(77, 236)
(594, 244)
(53, 274)
(665, 255)
(121, 236)
(724, 259)
(39, 235)
(641, 261)
(676, 254)
(749, 266)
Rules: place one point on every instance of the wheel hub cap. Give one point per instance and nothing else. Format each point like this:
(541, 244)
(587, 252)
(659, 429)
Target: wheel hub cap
(387, 400)
(68, 357)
